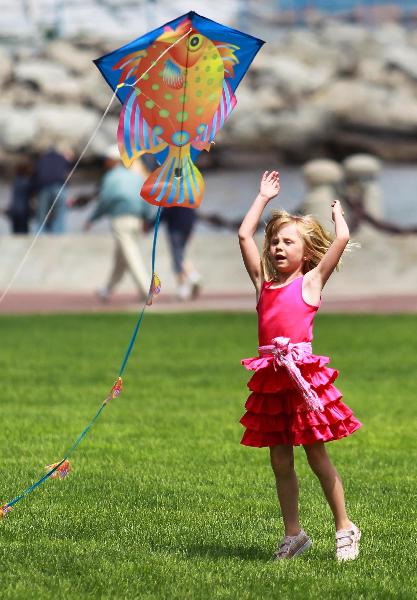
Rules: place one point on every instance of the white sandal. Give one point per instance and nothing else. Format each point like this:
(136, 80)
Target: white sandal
(293, 545)
(347, 543)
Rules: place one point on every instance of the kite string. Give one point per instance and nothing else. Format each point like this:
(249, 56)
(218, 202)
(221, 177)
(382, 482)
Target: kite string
(135, 332)
(138, 323)
(79, 439)
(155, 61)
(41, 227)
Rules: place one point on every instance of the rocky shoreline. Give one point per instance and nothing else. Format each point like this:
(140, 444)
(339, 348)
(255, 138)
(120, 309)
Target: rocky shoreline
(327, 91)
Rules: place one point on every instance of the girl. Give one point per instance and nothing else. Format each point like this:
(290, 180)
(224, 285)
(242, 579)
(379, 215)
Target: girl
(293, 401)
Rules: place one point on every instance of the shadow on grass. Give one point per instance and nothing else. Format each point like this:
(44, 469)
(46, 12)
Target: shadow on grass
(215, 551)
(251, 553)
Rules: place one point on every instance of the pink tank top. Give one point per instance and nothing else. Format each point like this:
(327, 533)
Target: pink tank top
(283, 312)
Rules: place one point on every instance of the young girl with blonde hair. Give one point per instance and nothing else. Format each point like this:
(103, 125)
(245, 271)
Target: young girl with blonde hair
(293, 400)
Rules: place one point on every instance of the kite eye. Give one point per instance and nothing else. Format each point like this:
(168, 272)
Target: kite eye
(195, 42)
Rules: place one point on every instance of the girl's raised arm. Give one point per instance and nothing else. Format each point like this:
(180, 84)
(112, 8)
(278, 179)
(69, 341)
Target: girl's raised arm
(329, 261)
(269, 188)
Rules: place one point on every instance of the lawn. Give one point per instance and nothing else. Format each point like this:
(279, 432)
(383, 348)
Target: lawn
(163, 502)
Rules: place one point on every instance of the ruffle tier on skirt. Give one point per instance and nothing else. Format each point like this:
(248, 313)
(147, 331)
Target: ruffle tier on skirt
(275, 409)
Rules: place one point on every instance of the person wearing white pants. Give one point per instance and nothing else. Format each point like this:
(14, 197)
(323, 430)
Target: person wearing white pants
(125, 231)
(119, 199)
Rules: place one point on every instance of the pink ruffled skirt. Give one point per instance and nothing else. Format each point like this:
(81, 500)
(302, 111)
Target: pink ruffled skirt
(276, 412)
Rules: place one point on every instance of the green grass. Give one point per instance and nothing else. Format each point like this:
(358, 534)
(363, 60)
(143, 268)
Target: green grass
(163, 502)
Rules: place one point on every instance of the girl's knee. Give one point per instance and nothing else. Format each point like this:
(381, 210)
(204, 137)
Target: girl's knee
(317, 458)
(282, 460)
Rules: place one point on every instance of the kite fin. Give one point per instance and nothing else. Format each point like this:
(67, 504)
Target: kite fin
(230, 60)
(129, 65)
(172, 75)
(177, 182)
(134, 135)
(209, 132)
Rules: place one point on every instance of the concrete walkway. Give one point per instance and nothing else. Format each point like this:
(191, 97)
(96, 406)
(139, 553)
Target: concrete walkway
(27, 303)
(63, 272)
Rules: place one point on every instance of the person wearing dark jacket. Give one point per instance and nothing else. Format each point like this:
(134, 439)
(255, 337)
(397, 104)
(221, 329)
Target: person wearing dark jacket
(51, 171)
(19, 210)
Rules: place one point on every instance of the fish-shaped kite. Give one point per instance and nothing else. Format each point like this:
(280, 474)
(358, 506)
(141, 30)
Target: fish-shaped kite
(177, 86)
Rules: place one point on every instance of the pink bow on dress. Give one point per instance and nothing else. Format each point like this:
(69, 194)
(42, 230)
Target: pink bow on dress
(285, 353)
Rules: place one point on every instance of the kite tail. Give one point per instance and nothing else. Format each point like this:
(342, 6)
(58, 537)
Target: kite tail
(177, 182)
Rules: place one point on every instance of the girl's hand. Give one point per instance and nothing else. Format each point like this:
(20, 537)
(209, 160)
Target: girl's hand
(337, 209)
(269, 187)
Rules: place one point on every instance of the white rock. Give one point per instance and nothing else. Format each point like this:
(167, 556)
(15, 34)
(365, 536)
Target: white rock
(307, 47)
(290, 76)
(41, 72)
(106, 136)
(5, 66)
(96, 92)
(403, 58)
(17, 128)
(295, 129)
(390, 33)
(322, 171)
(72, 58)
(343, 34)
(361, 165)
(65, 123)
(364, 104)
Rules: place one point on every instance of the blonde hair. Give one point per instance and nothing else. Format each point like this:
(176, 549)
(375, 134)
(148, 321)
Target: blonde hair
(316, 241)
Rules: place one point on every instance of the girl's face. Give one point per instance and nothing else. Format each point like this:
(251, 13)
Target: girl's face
(287, 249)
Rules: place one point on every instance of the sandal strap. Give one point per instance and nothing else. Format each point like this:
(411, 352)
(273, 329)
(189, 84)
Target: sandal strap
(344, 539)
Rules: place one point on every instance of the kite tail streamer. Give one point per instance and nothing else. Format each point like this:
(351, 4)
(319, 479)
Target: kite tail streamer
(63, 467)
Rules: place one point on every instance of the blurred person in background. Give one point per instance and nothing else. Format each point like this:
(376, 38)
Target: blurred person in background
(180, 222)
(119, 199)
(51, 171)
(20, 209)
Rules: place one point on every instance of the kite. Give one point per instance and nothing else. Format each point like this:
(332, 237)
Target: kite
(177, 87)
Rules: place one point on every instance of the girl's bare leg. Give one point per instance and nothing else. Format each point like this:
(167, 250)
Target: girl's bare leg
(330, 482)
(282, 461)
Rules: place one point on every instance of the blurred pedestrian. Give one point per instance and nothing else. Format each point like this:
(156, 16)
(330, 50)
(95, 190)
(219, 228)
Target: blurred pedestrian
(119, 199)
(51, 171)
(180, 222)
(19, 210)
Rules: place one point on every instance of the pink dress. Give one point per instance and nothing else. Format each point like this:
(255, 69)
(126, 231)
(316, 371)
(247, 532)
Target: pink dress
(275, 410)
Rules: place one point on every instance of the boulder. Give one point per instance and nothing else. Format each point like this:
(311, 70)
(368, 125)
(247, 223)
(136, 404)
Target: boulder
(42, 73)
(72, 58)
(403, 58)
(360, 103)
(17, 128)
(71, 124)
(297, 129)
(96, 92)
(6, 67)
(290, 76)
